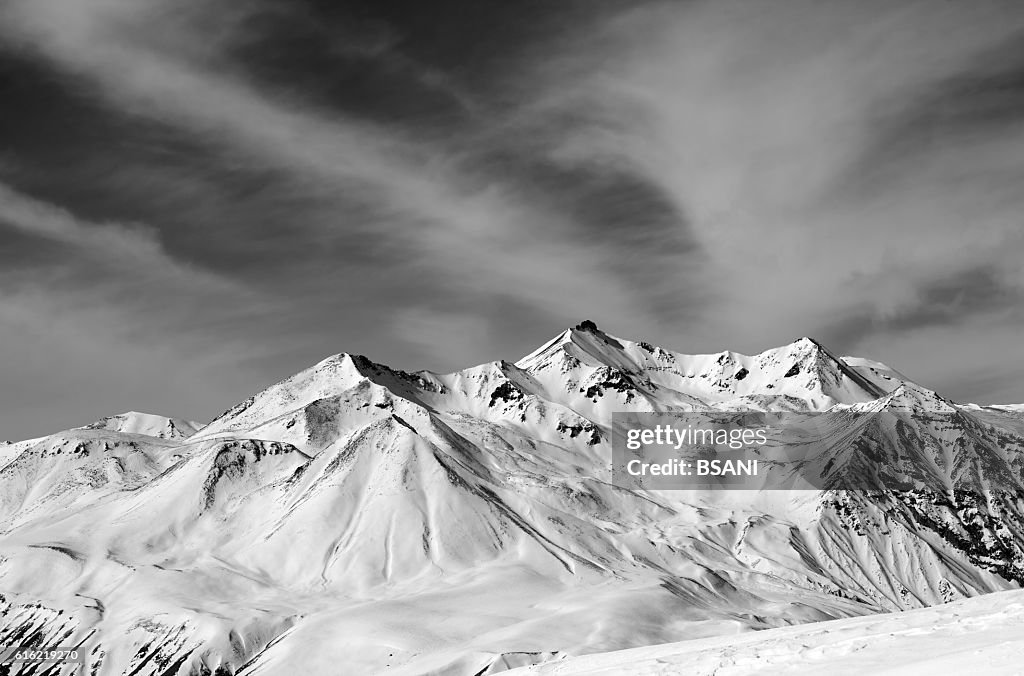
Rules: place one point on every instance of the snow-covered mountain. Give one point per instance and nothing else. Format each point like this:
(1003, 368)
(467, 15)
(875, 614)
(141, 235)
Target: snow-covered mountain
(359, 519)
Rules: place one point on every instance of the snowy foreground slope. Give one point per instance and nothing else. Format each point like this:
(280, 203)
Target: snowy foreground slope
(981, 635)
(356, 519)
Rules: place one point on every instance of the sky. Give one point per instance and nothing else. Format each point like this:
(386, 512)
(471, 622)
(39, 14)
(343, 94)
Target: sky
(198, 198)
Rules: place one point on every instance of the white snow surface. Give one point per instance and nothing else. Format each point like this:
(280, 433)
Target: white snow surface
(133, 422)
(979, 635)
(358, 519)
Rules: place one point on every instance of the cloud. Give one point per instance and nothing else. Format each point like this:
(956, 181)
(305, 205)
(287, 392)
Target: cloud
(455, 226)
(133, 245)
(107, 319)
(796, 138)
(67, 360)
(447, 234)
(123, 269)
(439, 333)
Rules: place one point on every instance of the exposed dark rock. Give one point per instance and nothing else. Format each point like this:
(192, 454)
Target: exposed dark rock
(505, 392)
(575, 430)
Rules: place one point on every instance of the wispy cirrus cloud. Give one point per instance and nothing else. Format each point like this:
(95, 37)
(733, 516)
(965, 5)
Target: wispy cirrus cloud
(70, 357)
(836, 160)
(105, 317)
(451, 222)
(451, 237)
(134, 245)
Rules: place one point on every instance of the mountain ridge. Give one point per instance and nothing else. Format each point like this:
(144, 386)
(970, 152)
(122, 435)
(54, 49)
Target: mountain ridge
(333, 516)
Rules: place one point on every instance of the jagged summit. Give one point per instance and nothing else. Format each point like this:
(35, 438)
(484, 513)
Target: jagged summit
(573, 382)
(583, 371)
(804, 370)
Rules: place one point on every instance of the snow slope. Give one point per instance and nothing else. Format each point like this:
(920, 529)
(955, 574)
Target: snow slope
(980, 635)
(147, 424)
(359, 518)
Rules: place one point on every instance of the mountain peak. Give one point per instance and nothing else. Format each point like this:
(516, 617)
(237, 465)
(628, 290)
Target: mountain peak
(584, 341)
(148, 424)
(807, 341)
(912, 396)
